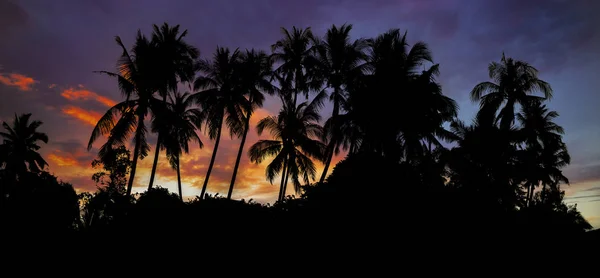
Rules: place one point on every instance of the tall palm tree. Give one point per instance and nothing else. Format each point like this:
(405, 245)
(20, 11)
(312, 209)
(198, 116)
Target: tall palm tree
(184, 119)
(295, 132)
(173, 61)
(18, 152)
(339, 61)
(135, 80)
(514, 82)
(295, 53)
(255, 73)
(221, 100)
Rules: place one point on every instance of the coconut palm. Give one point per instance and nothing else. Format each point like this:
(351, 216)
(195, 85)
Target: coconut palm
(396, 87)
(545, 151)
(19, 150)
(295, 53)
(514, 82)
(339, 61)
(173, 62)
(135, 82)
(221, 99)
(255, 73)
(184, 119)
(295, 132)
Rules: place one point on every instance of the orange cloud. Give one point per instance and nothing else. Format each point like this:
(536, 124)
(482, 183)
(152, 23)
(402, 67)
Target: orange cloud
(76, 94)
(88, 117)
(62, 160)
(24, 83)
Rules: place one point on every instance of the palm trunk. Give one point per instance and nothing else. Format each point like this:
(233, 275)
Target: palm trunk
(239, 157)
(212, 160)
(156, 154)
(283, 173)
(287, 175)
(179, 180)
(136, 154)
(331, 146)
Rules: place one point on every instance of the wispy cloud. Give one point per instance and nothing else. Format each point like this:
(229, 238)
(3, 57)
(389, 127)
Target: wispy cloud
(83, 94)
(22, 82)
(62, 159)
(88, 117)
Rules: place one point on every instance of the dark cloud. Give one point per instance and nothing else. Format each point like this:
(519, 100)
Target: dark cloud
(12, 18)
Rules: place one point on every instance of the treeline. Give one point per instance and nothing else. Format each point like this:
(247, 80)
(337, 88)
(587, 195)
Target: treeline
(502, 173)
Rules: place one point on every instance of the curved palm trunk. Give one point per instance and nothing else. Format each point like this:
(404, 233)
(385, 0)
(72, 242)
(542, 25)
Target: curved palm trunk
(212, 161)
(239, 157)
(283, 173)
(179, 180)
(136, 154)
(156, 153)
(331, 146)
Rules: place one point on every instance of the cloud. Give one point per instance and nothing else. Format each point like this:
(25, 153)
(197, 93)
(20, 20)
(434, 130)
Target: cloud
(62, 159)
(22, 82)
(83, 94)
(87, 117)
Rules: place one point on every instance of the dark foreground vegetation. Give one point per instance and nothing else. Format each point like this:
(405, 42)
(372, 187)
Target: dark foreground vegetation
(496, 179)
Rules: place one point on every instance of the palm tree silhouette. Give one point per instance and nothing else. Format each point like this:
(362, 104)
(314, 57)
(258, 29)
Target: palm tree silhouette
(173, 61)
(255, 73)
(545, 151)
(514, 82)
(295, 53)
(135, 79)
(184, 119)
(397, 88)
(339, 62)
(295, 131)
(18, 152)
(221, 99)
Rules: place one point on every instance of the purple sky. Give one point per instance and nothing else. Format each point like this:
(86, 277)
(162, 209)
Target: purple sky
(59, 43)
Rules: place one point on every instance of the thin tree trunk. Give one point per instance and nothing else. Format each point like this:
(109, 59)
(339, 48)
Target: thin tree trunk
(331, 146)
(212, 160)
(179, 180)
(283, 173)
(287, 176)
(239, 157)
(136, 153)
(156, 154)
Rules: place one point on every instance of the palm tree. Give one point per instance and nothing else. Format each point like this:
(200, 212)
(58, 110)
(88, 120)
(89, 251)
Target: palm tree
(295, 130)
(136, 83)
(339, 62)
(255, 71)
(221, 99)
(184, 119)
(397, 106)
(295, 53)
(514, 82)
(545, 151)
(18, 152)
(173, 61)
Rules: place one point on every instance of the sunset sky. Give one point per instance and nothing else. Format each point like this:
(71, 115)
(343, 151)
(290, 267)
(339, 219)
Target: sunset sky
(48, 50)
